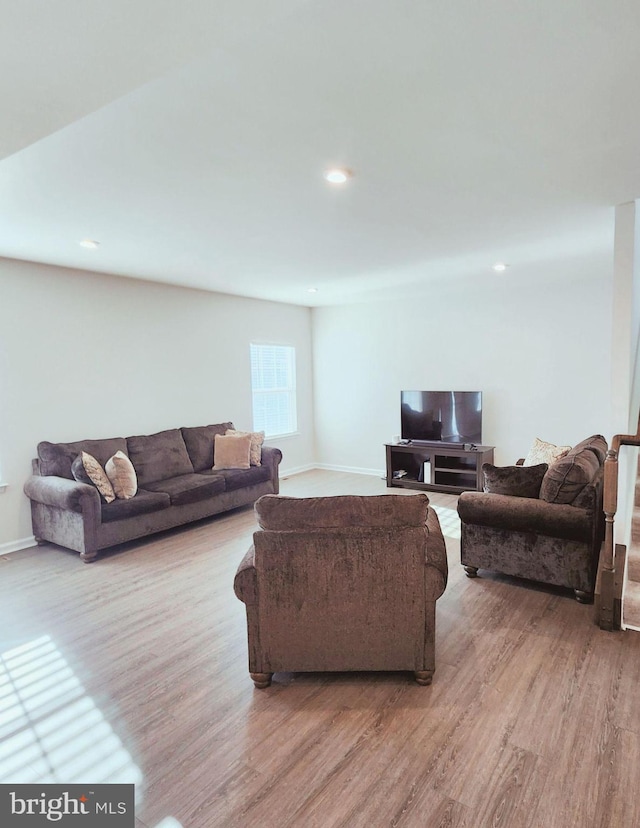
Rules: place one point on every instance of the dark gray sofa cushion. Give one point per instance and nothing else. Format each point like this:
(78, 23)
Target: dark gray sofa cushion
(199, 441)
(518, 481)
(142, 503)
(239, 478)
(159, 456)
(56, 458)
(189, 488)
(568, 476)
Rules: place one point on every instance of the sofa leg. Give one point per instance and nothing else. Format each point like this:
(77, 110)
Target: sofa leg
(472, 571)
(89, 557)
(423, 677)
(583, 597)
(261, 680)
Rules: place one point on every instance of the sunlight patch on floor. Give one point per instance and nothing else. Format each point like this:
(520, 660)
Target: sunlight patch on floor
(449, 521)
(50, 730)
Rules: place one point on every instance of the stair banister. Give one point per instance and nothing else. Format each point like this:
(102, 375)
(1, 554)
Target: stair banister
(607, 615)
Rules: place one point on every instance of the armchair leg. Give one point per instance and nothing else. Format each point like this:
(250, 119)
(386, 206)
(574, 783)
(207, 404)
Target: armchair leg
(423, 677)
(471, 571)
(261, 680)
(583, 597)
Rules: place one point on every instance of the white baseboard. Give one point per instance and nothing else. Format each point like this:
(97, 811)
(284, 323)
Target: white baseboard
(351, 469)
(296, 470)
(17, 545)
(330, 467)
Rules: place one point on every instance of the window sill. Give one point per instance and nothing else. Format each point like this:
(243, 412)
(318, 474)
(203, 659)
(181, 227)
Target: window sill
(281, 436)
(3, 487)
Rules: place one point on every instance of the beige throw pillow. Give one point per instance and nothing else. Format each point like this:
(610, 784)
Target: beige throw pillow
(257, 439)
(541, 452)
(231, 452)
(98, 477)
(122, 475)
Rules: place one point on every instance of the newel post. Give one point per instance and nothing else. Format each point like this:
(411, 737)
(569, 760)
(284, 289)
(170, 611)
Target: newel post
(607, 573)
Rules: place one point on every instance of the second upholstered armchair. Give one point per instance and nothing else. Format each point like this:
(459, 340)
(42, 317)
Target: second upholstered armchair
(343, 583)
(551, 533)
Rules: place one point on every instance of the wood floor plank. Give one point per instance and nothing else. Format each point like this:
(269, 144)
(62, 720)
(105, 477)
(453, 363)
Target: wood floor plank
(443, 813)
(136, 667)
(517, 782)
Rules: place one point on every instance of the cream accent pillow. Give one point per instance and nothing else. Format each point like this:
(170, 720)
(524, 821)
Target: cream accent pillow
(257, 439)
(98, 477)
(541, 452)
(231, 452)
(122, 475)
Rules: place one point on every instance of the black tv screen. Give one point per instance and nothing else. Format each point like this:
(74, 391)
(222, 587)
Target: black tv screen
(445, 416)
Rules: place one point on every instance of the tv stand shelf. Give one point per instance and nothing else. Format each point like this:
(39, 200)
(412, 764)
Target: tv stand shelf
(451, 468)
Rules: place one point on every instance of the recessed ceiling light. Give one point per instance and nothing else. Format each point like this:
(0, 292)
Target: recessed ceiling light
(90, 243)
(500, 266)
(312, 290)
(338, 175)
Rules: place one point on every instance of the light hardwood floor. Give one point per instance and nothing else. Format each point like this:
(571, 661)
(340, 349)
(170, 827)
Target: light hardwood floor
(134, 668)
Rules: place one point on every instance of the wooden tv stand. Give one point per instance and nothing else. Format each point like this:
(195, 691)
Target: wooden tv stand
(453, 468)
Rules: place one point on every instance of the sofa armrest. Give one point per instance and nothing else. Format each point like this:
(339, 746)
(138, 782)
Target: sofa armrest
(62, 493)
(244, 583)
(271, 456)
(526, 514)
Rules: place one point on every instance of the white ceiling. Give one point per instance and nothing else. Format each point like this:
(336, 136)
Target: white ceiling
(190, 138)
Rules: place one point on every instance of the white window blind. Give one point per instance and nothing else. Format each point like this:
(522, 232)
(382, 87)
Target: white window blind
(273, 385)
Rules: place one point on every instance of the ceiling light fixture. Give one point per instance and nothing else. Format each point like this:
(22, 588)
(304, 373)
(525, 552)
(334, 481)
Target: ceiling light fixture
(312, 290)
(338, 175)
(500, 266)
(91, 244)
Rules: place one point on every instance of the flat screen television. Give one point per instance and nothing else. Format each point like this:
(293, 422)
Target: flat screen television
(441, 416)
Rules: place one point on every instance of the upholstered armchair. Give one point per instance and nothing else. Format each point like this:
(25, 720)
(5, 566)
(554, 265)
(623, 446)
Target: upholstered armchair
(543, 523)
(343, 583)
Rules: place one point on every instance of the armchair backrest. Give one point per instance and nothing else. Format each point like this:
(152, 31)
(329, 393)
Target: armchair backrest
(337, 575)
(280, 513)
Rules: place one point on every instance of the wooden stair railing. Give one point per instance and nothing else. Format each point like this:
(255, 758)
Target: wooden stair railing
(608, 608)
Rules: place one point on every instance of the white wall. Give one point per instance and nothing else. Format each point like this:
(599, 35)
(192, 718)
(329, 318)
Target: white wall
(629, 238)
(536, 342)
(625, 311)
(625, 377)
(84, 355)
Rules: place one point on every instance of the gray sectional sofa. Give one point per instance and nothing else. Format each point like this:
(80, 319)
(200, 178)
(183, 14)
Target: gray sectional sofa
(176, 485)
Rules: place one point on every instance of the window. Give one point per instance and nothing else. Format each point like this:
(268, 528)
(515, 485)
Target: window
(273, 386)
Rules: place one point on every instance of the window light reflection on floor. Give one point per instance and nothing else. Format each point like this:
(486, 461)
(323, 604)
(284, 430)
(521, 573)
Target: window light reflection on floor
(50, 730)
(449, 521)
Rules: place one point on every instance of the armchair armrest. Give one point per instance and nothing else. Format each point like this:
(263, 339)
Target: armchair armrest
(244, 583)
(525, 514)
(436, 555)
(62, 493)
